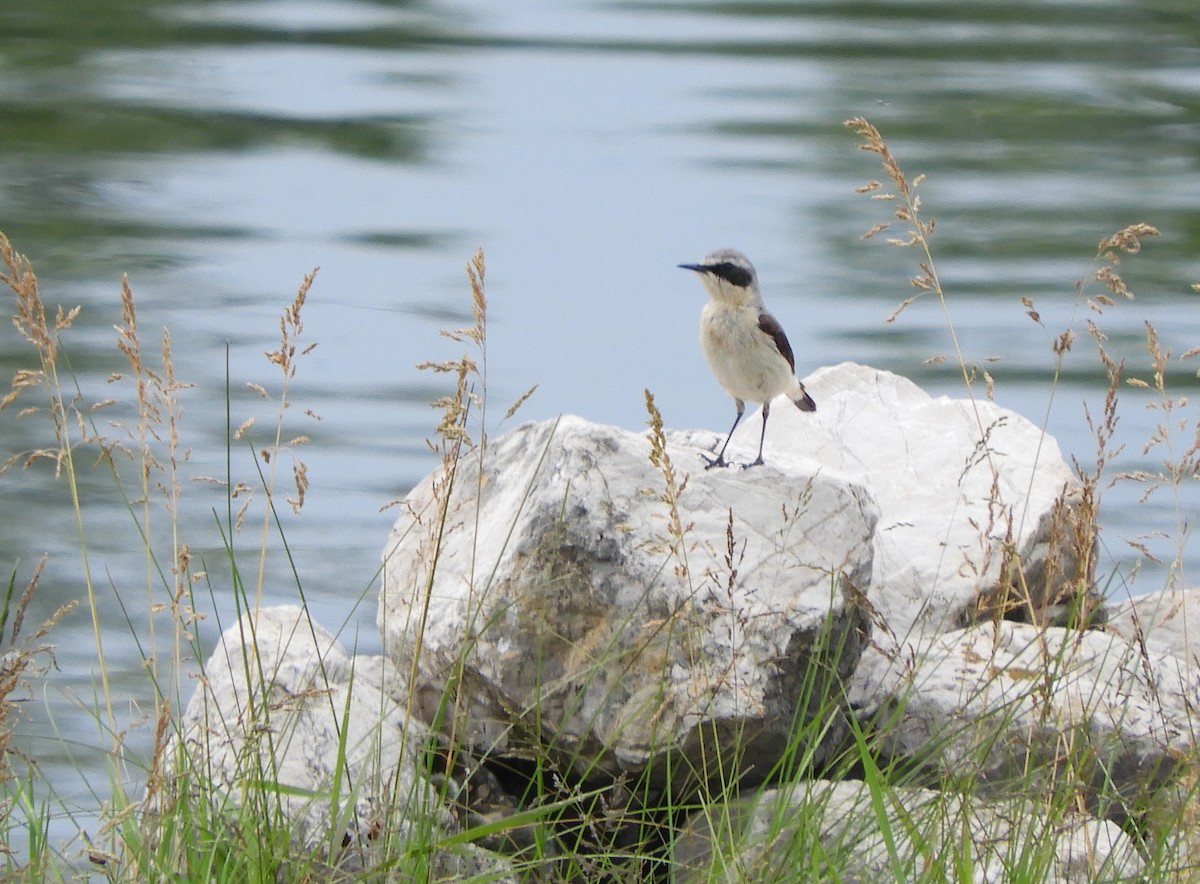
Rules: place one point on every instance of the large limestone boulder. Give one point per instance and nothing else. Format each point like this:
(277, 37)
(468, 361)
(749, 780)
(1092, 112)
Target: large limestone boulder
(561, 591)
(977, 507)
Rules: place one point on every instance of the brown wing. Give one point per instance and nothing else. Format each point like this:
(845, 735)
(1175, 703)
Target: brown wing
(771, 326)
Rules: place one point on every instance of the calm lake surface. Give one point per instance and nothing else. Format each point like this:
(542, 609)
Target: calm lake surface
(217, 151)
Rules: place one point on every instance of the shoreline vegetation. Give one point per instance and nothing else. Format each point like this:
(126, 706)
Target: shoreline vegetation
(178, 821)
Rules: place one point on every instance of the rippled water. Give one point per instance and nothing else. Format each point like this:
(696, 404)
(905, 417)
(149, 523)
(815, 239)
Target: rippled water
(216, 152)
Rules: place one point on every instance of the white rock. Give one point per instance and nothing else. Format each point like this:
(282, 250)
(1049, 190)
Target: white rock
(1170, 618)
(1008, 701)
(580, 620)
(957, 483)
(818, 830)
(277, 692)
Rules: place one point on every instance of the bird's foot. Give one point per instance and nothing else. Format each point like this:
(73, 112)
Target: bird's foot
(718, 461)
(757, 463)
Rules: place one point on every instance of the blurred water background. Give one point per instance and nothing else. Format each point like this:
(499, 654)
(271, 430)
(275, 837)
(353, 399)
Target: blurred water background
(217, 151)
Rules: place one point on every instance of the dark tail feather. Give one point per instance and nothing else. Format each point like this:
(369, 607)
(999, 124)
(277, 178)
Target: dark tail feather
(805, 402)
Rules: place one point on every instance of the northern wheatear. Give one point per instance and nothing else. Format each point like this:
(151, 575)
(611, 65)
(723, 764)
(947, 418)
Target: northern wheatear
(744, 344)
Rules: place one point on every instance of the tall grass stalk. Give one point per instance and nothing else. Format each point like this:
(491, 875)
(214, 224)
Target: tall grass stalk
(31, 320)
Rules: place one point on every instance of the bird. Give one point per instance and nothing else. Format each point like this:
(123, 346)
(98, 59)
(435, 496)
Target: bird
(744, 344)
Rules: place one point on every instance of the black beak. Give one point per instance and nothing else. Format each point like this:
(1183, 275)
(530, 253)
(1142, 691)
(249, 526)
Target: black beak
(699, 268)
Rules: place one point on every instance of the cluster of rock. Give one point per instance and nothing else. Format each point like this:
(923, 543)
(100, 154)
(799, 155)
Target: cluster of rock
(904, 570)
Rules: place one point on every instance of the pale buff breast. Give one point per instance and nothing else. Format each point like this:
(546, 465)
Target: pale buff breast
(743, 358)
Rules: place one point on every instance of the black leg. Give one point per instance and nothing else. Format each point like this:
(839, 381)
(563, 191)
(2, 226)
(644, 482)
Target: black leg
(719, 460)
(761, 438)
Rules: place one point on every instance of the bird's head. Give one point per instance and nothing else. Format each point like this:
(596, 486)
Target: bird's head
(728, 277)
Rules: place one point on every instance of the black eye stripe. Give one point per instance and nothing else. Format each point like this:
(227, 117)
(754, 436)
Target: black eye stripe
(731, 273)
